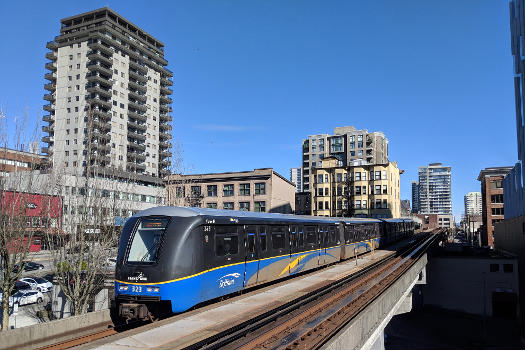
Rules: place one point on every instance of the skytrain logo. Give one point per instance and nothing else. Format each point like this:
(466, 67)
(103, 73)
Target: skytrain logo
(228, 280)
(138, 277)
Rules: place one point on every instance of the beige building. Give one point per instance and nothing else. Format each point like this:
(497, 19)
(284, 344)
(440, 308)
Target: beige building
(348, 145)
(260, 190)
(357, 191)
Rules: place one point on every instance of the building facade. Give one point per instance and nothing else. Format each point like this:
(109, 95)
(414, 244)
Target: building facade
(435, 187)
(356, 191)
(415, 197)
(296, 177)
(12, 161)
(473, 205)
(347, 144)
(108, 93)
(514, 182)
(492, 197)
(260, 190)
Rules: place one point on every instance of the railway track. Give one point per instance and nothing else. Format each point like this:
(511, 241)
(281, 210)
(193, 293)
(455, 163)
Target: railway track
(306, 323)
(303, 323)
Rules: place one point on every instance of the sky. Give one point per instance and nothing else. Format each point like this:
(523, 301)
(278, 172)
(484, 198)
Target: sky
(252, 79)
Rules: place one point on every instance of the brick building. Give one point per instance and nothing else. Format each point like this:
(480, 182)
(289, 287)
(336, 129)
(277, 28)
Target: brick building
(12, 160)
(491, 201)
(260, 190)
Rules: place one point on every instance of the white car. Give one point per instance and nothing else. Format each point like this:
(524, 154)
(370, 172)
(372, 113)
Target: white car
(38, 283)
(25, 297)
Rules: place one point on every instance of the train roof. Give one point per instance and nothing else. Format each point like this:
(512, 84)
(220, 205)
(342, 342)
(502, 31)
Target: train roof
(194, 212)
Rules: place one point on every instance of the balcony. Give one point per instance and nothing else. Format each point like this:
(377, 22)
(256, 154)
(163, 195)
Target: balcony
(165, 100)
(49, 107)
(137, 96)
(164, 163)
(101, 47)
(166, 91)
(96, 56)
(49, 97)
(50, 76)
(101, 146)
(165, 117)
(51, 56)
(138, 116)
(165, 154)
(164, 136)
(165, 82)
(99, 90)
(52, 66)
(165, 108)
(101, 125)
(137, 76)
(103, 115)
(95, 101)
(52, 45)
(95, 66)
(164, 145)
(136, 146)
(48, 118)
(100, 158)
(100, 135)
(50, 129)
(50, 87)
(137, 86)
(163, 126)
(133, 125)
(164, 172)
(47, 150)
(135, 166)
(167, 72)
(136, 136)
(137, 106)
(100, 79)
(48, 139)
(138, 67)
(133, 156)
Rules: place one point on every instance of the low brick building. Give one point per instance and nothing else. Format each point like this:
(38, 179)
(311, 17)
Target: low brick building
(260, 190)
(12, 160)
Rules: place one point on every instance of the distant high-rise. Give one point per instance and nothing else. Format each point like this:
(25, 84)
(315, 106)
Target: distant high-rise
(108, 98)
(349, 145)
(435, 189)
(415, 197)
(473, 203)
(295, 177)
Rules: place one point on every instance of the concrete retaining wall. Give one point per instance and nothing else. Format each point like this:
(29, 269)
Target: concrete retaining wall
(39, 335)
(362, 328)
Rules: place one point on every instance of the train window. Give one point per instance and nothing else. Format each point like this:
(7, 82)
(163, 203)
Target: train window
(262, 237)
(278, 238)
(332, 234)
(311, 235)
(146, 240)
(301, 237)
(251, 243)
(226, 241)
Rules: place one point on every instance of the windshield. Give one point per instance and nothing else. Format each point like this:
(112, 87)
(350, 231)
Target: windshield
(146, 240)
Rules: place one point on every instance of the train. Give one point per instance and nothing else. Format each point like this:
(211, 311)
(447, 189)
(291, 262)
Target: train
(171, 259)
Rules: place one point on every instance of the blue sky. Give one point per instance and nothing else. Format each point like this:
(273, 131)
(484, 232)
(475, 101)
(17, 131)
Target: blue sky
(253, 78)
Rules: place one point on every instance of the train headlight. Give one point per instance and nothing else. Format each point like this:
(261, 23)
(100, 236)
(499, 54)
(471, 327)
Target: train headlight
(153, 289)
(123, 288)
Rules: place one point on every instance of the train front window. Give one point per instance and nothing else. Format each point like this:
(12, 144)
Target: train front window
(146, 240)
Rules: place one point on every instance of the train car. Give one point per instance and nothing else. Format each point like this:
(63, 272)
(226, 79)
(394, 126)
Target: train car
(172, 258)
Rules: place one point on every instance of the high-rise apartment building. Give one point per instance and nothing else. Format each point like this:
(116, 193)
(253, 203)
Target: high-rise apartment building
(349, 145)
(473, 203)
(435, 189)
(415, 197)
(109, 104)
(296, 178)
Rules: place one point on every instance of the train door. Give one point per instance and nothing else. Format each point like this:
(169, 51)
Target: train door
(294, 250)
(322, 244)
(264, 254)
(312, 246)
(251, 260)
(341, 240)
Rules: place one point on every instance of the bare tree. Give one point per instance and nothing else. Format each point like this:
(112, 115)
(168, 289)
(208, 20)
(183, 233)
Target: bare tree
(18, 186)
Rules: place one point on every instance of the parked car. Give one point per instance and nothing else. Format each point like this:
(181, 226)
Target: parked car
(24, 297)
(38, 283)
(29, 266)
(21, 285)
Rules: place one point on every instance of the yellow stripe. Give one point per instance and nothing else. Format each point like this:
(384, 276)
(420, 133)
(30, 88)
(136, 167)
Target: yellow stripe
(219, 267)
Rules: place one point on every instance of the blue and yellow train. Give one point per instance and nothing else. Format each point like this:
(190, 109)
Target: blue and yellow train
(172, 258)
